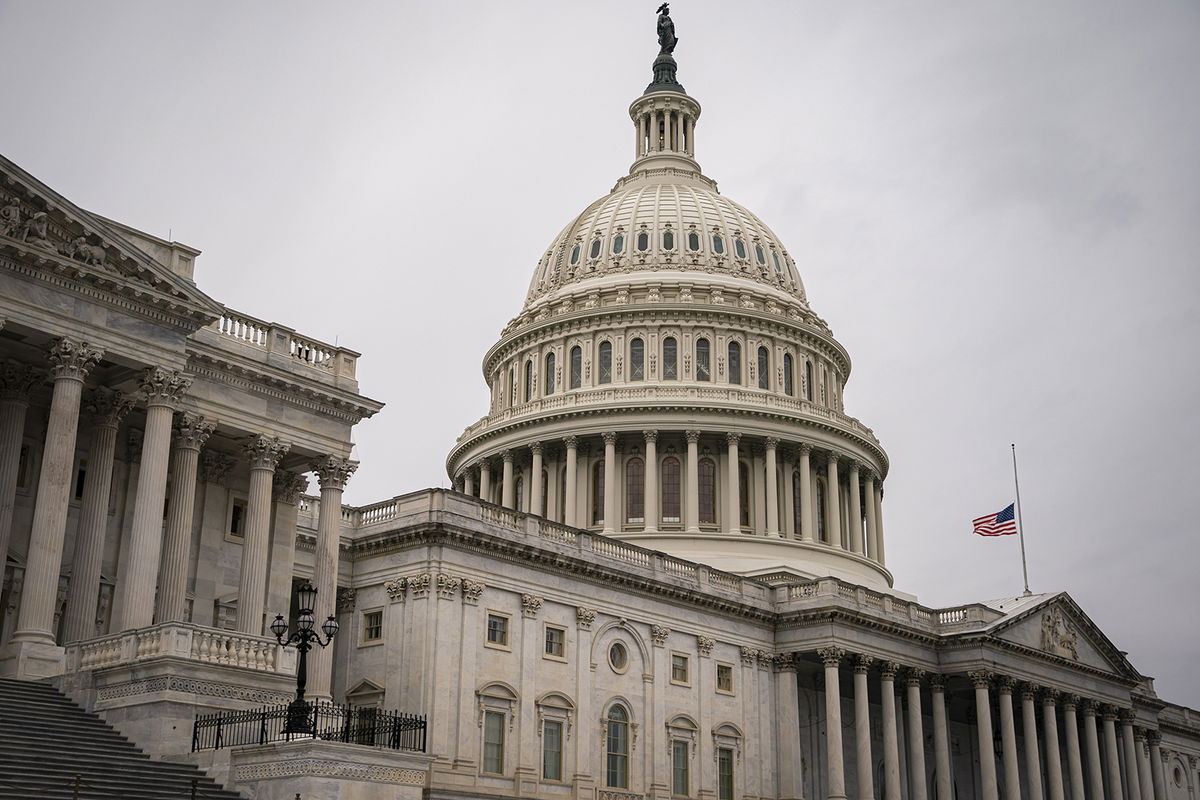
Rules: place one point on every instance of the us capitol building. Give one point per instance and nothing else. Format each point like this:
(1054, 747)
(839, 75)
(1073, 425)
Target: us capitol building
(660, 573)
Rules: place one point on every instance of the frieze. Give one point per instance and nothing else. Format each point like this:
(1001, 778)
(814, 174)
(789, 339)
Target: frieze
(326, 768)
(165, 683)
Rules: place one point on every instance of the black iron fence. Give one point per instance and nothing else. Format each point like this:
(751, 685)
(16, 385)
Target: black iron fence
(365, 725)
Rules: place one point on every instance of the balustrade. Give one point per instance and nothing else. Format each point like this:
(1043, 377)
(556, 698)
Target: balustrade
(183, 641)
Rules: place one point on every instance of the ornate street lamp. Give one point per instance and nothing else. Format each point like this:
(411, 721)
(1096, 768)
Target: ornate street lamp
(303, 639)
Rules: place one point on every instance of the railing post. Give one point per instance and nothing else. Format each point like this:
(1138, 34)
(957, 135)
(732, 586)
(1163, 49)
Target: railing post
(262, 731)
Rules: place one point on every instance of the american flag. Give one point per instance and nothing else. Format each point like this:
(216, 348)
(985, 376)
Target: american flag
(1001, 524)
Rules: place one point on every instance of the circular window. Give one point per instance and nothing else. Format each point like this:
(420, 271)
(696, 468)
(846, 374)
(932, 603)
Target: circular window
(618, 657)
(1177, 775)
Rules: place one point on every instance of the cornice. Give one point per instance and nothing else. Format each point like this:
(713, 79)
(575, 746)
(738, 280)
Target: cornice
(962, 641)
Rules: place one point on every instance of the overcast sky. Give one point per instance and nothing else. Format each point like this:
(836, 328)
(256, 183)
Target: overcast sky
(994, 205)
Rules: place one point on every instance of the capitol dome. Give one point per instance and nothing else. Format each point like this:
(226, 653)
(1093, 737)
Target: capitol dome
(666, 382)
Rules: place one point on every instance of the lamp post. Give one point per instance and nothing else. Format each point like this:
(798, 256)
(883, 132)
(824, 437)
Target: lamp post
(304, 637)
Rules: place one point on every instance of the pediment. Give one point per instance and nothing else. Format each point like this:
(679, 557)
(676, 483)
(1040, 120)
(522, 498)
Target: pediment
(47, 235)
(1059, 629)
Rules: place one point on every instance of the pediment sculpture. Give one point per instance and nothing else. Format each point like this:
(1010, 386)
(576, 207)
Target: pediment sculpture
(1059, 636)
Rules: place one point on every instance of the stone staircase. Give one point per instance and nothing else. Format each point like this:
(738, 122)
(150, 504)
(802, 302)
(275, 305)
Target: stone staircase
(51, 748)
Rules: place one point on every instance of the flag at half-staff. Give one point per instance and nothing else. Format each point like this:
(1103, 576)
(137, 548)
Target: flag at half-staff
(1002, 523)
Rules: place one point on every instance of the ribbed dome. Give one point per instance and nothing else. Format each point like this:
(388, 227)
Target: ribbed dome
(664, 229)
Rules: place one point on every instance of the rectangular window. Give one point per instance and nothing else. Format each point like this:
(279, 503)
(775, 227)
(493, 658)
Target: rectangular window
(497, 630)
(724, 773)
(679, 768)
(237, 518)
(493, 742)
(679, 668)
(372, 626)
(556, 641)
(552, 735)
(80, 478)
(725, 678)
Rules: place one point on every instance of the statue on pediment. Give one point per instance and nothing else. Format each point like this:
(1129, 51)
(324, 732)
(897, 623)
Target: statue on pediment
(87, 253)
(10, 217)
(35, 229)
(1059, 636)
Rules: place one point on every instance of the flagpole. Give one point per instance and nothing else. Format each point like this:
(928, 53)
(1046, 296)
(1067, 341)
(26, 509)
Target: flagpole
(1020, 524)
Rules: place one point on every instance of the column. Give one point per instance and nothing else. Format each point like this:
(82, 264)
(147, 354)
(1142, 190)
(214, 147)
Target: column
(833, 514)
(485, 481)
(263, 452)
(105, 409)
(733, 495)
(1132, 781)
(70, 362)
(772, 479)
(610, 482)
(508, 486)
(1112, 757)
(135, 589)
(916, 734)
(571, 443)
(788, 523)
(691, 497)
(16, 382)
(286, 489)
(535, 481)
(891, 737)
(1158, 776)
(191, 432)
(855, 534)
(862, 729)
(983, 727)
(641, 137)
(469, 481)
(788, 759)
(1054, 778)
(806, 501)
(941, 738)
(1143, 751)
(878, 503)
(1008, 738)
(869, 540)
(1074, 759)
(333, 473)
(1092, 742)
(1033, 764)
(831, 657)
(650, 492)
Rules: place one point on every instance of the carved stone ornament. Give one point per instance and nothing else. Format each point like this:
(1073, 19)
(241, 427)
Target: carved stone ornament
(1059, 636)
(287, 486)
(937, 682)
(17, 380)
(749, 656)
(471, 591)
(831, 656)
(107, 406)
(345, 599)
(419, 584)
(396, 588)
(10, 217)
(980, 678)
(785, 662)
(531, 604)
(264, 452)
(163, 387)
(705, 645)
(659, 634)
(585, 617)
(214, 466)
(192, 430)
(71, 358)
(862, 663)
(764, 658)
(888, 670)
(334, 472)
(447, 586)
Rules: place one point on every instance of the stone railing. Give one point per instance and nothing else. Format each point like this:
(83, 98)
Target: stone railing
(182, 640)
(234, 330)
(833, 592)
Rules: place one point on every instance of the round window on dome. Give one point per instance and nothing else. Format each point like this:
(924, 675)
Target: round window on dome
(718, 244)
(575, 254)
(668, 240)
(760, 255)
(693, 241)
(618, 657)
(618, 244)
(643, 241)
(739, 248)
(595, 250)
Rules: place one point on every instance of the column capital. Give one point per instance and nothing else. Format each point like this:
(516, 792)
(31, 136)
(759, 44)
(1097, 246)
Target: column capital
(804, 448)
(609, 437)
(1127, 716)
(482, 464)
(72, 358)
(214, 466)
(107, 406)
(772, 442)
(980, 678)
(1153, 737)
(570, 442)
(937, 682)
(536, 448)
(692, 436)
(1087, 706)
(1139, 734)
(732, 438)
(1109, 713)
(862, 663)
(869, 476)
(831, 656)
(287, 486)
(17, 380)
(785, 662)
(1050, 697)
(1070, 700)
(333, 472)
(853, 464)
(888, 669)
(650, 436)
(192, 431)
(831, 459)
(1005, 684)
(163, 387)
(506, 456)
(1029, 691)
(913, 676)
(264, 452)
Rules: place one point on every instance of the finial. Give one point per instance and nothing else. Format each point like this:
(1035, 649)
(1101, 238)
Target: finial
(664, 65)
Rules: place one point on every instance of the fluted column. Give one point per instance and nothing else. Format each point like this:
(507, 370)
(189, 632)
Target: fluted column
(733, 495)
(1071, 732)
(941, 738)
(70, 361)
(610, 482)
(105, 409)
(1133, 786)
(485, 481)
(1054, 778)
(535, 481)
(891, 735)
(833, 516)
(916, 735)
(806, 501)
(1112, 757)
(870, 539)
(1157, 771)
(333, 473)
(16, 382)
(570, 514)
(1092, 742)
(878, 502)
(650, 492)
(788, 758)
(862, 729)
(692, 495)
(1033, 764)
(469, 481)
(191, 432)
(772, 485)
(508, 486)
(263, 452)
(286, 489)
(1143, 752)
(1008, 739)
(856, 527)
(835, 766)
(983, 727)
(135, 589)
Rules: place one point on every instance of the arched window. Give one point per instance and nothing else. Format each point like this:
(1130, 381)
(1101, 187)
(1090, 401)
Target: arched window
(635, 490)
(760, 255)
(764, 368)
(637, 360)
(643, 242)
(576, 367)
(520, 493)
(668, 240)
(549, 374)
(789, 382)
(706, 478)
(735, 362)
(820, 512)
(808, 380)
(739, 248)
(718, 244)
(744, 494)
(528, 380)
(605, 362)
(775, 258)
(594, 252)
(693, 241)
(618, 244)
(670, 489)
(797, 506)
(617, 747)
(545, 493)
(670, 361)
(575, 255)
(598, 493)
(703, 361)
